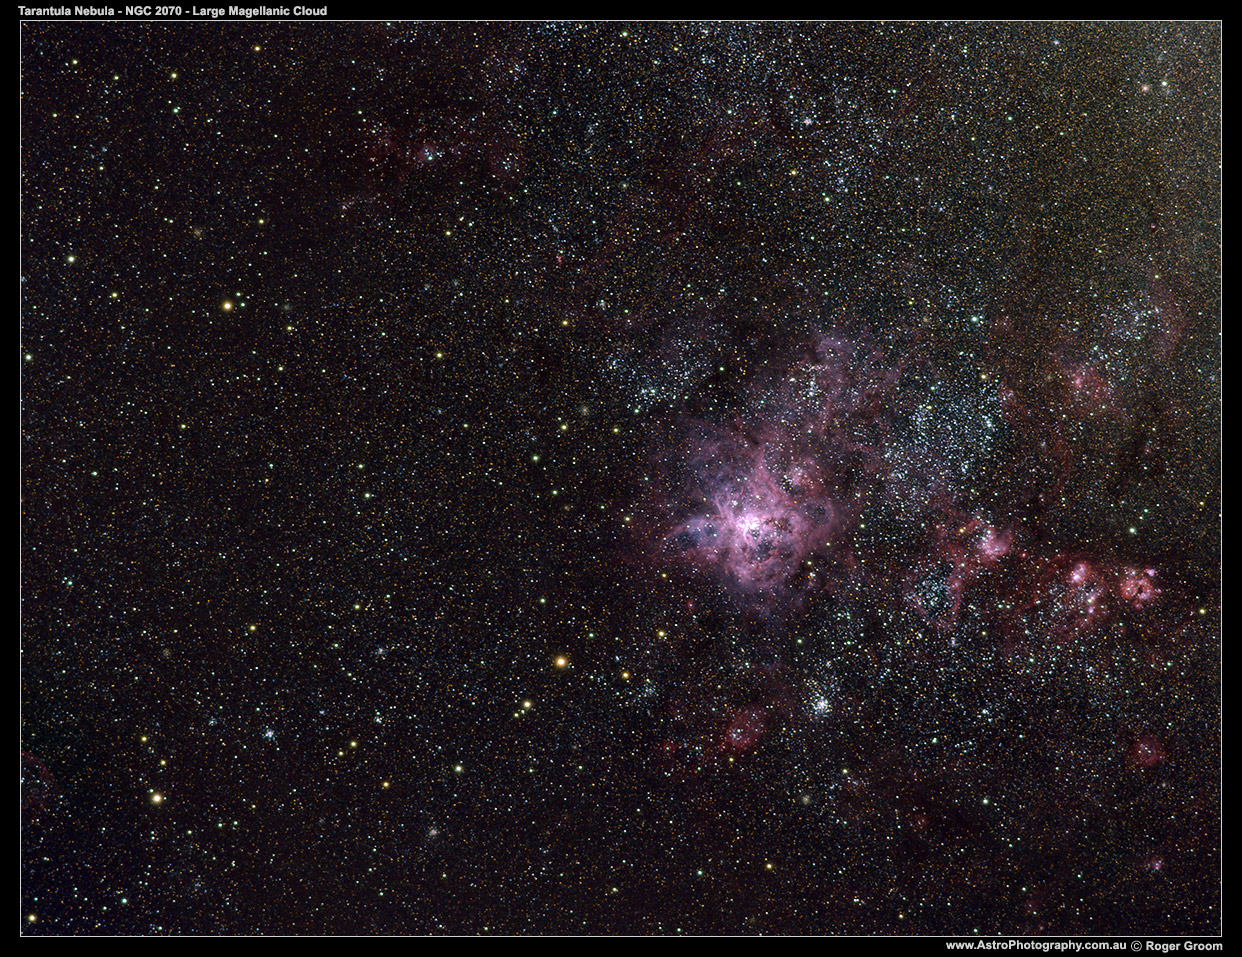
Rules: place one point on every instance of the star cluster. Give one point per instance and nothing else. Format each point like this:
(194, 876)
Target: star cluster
(620, 478)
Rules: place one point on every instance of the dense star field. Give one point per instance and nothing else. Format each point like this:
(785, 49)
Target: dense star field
(604, 478)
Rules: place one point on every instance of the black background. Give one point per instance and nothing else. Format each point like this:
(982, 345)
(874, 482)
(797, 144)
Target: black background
(367, 369)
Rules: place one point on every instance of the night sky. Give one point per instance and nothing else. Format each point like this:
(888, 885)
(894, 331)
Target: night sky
(604, 478)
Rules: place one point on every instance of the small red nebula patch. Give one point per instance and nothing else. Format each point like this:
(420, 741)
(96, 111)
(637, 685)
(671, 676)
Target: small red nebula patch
(994, 544)
(745, 730)
(1147, 751)
(1137, 586)
(1080, 574)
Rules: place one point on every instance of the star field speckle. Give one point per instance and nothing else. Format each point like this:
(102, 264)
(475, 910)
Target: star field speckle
(598, 478)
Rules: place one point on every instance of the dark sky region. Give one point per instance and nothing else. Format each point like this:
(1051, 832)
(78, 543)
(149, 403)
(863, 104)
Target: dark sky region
(564, 478)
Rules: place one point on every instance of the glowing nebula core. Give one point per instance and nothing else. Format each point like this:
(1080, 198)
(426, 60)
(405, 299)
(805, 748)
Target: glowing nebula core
(751, 502)
(756, 525)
